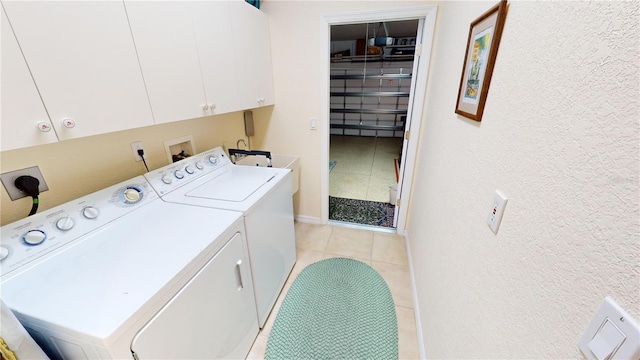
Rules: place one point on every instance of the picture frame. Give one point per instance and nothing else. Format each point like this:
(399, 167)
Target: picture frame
(480, 57)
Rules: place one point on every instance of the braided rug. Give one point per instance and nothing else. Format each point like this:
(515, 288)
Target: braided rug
(335, 309)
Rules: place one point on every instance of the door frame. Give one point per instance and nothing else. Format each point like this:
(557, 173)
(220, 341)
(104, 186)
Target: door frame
(427, 17)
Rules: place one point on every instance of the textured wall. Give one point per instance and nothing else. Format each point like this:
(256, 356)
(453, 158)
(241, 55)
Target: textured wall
(559, 137)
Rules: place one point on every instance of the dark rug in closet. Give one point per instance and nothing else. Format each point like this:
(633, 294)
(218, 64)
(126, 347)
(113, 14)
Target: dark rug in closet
(361, 211)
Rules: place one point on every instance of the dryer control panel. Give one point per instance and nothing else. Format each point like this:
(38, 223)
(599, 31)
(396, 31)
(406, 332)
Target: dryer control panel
(25, 242)
(173, 176)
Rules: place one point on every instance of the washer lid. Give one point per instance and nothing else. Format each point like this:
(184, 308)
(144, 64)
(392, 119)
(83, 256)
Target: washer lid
(236, 184)
(103, 284)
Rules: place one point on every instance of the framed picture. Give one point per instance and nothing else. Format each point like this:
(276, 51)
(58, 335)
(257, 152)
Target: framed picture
(482, 47)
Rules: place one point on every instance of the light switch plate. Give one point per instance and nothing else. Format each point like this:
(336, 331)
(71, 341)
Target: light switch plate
(10, 177)
(494, 217)
(610, 313)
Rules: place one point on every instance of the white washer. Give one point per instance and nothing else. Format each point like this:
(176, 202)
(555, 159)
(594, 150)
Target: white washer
(121, 274)
(264, 197)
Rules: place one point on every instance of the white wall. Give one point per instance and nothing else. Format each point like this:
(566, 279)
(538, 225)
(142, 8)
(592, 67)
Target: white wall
(295, 48)
(559, 137)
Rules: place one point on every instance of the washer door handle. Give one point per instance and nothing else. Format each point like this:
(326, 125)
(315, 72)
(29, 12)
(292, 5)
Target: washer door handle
(239, 275)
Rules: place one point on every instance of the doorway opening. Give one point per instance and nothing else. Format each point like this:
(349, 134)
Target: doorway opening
(379, 122)
(370, 84)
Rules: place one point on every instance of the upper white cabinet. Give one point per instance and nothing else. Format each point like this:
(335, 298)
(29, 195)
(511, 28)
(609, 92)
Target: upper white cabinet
(186, 56)
(215, 46)
(253, 54)
(79, 68)
(24, 119)
(83, 61)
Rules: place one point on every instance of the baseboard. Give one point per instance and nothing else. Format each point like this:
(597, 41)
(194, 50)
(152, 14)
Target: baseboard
(308, 219)
(416, 304)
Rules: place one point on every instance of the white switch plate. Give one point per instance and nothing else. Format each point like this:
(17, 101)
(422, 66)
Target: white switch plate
(135, 146)
(496, 210)
(610, 310)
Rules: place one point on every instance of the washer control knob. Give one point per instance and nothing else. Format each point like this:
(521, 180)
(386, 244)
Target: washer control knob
(189, 169)
(34, 237)
(178, 174)
(90, 212)
(131, 195)
(166, 179)
(213, 159)
(4, 252)
(199, 165)
(65, 223)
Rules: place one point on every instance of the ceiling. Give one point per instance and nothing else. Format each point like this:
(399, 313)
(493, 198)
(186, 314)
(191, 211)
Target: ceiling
(406, 28)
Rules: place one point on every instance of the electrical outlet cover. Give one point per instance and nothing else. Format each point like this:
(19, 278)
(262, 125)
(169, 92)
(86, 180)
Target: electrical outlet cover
(496, 210)
(135, 146)
(10, 177)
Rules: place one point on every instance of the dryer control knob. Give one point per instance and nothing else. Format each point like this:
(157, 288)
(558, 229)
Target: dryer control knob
(213, 159)
(178, 174)
(131, 195)
(65, 223)
(90, 212)
(189, 169)
(166, 179)
(199, 165)
(4, 252)
(34, 237)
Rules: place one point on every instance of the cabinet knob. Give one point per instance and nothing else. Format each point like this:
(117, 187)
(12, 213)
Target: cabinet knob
(212, 106)
(43, 126)
(68, 123)
(205, 107)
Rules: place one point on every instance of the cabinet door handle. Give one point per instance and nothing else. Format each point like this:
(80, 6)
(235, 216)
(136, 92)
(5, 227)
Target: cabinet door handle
(68, 123)
(205, 107)
(43, 126)
(239, 275)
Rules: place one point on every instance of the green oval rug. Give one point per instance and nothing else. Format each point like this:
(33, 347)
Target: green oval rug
(335, 309)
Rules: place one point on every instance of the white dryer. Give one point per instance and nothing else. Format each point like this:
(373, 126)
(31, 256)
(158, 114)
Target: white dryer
(262, 194)
(121, 274)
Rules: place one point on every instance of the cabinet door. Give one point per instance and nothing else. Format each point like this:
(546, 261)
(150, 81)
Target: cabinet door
(164, 38)
(83, 61)
(21, 107)
(253, 54)
(212, 23)
(212, 317)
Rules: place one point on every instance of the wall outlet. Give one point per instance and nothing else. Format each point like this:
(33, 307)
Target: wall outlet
(496, 210)
(9, 178)
(135, 146)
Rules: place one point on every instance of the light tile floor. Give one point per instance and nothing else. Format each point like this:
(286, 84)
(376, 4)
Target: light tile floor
(385, 252)
(364, 167)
